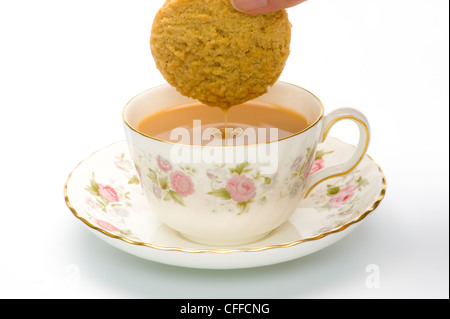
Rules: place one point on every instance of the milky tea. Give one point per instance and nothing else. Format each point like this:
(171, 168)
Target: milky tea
(245, 124)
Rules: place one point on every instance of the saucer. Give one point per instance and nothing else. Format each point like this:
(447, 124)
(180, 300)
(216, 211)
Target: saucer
(104, 192)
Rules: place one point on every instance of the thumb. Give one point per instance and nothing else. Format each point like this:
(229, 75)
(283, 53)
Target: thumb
(263, 6)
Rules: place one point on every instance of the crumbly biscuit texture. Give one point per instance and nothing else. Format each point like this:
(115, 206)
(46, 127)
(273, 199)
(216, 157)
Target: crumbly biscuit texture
(210, 52)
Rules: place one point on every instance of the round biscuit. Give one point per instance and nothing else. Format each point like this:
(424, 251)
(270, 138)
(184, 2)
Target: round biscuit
(211, 52)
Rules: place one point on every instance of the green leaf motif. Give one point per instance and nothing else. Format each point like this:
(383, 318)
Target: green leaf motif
(333, 190)
(175, 196)
(93, 187)
(134, 180)
(320, 154)
(221, 193)
(244, 207)
(361, 182)
(164, 182)
(240, 169)
(152, 175)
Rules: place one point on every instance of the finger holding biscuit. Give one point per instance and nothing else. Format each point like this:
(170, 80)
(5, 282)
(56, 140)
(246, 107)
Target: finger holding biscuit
(263, 6)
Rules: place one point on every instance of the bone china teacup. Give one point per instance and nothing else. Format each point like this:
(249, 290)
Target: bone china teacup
(246, 192)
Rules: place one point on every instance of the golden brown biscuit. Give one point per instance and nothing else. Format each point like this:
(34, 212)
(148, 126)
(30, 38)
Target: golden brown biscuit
(210, 52)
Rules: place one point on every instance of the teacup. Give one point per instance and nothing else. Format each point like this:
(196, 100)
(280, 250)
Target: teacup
(246, 192)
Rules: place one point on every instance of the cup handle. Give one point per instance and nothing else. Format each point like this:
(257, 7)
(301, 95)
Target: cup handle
(363, 143)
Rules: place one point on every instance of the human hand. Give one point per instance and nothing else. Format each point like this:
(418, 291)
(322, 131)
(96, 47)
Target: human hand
(263, 6)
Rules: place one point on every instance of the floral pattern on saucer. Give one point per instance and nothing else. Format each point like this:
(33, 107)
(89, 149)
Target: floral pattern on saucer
(108, 203)
(105, 193)
(339, 199)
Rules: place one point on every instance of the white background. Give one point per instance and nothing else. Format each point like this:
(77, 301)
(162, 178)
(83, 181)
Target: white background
(68, 67)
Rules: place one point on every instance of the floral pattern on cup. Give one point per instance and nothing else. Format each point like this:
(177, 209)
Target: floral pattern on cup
(235, 187)
(241, 188)
(238, 187)
(300, 170)
(170, 183)
(111, 209)
(181, 183)
(164, 164)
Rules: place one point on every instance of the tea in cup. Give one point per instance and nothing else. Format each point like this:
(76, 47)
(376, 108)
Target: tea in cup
(231, 178)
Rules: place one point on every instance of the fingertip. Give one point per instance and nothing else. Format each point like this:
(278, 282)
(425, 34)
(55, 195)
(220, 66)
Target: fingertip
(248, 6)
(263, 6)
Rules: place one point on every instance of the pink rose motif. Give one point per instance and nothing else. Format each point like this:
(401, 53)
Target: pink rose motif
(181, 183)
(343, 196)
(124, 165)
(92, 204)
(106, 226)
(108, 193)
(317, 165)
(163, 164)
(241, 188)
